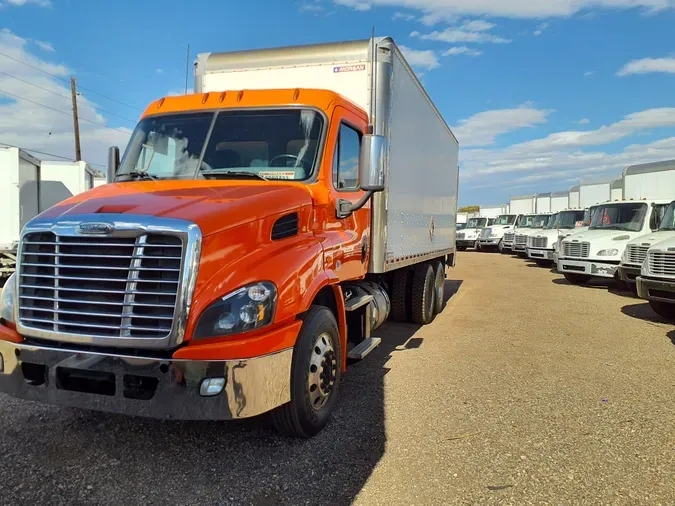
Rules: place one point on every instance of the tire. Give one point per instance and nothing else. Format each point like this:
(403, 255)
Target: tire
(478, 248)
(663, 309)
(500, 246)
(401, 296)
(439, 284)
(423, 294)
(577, 279)
(543, 263)
(310, 408)
(461, 248)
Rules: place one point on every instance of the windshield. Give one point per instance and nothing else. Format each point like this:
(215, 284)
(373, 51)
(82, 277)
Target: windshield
(505, 219)
(526, 222)
(540, 221)
(476, 223)
(668, 221)
(588, 215)
(270, 144)
(551, 221)
(569, 219)
(461, 226)
(629, 217)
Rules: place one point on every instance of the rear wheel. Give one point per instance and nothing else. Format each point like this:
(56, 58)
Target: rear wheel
(423, 294)
(663, 309)
(577, 279)
(440, 286)
(401, 295)
(315, 376)
(461, 248)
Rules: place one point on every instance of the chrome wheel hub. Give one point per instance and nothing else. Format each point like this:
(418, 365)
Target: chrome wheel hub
(322, 371)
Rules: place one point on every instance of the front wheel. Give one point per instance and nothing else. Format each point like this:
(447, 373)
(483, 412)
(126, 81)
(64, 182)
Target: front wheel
(461, 248)
(315, 376)
(577, 279)
(501, 246)
(663, 309)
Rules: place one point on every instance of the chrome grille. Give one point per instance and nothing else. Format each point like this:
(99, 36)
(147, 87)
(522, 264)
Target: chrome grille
(636, 254)
(538, 242)
(521, 239)
(576, 249)
(460, 236)
(662, 263)
(508, 237)
(106, 287)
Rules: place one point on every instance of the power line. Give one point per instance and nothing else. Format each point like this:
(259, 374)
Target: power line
(66, 81)
(60, 111)
(70, 159)
(66, 96)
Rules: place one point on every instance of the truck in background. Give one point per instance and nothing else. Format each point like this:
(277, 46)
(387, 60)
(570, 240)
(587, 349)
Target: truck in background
(616, 190)
(597, 252)
(593, 192)
(491, 238)
(523, 222)
(580, 227)
(560, 201)
(539, 221)
(574, 200)
(468, 236)
(541, 246)
(491, 211)
(254, 235)
(543, 203)
(30, 186)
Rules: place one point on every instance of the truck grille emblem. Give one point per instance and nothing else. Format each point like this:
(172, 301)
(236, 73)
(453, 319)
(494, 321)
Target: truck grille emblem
(95, 228)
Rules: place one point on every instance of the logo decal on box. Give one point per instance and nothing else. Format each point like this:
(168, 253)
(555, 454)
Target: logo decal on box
(349, 68)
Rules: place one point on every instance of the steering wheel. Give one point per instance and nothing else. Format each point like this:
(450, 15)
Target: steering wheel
(293, 157)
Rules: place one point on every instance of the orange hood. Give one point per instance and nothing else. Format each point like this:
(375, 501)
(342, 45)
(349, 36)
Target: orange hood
(213, 205)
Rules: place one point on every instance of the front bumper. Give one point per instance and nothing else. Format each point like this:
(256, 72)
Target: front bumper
(656, 289)
(490, 242)
(588, 267)
(507, 245)
(467, 243)
(149, 387)
(629, 273)
(541, 254)
(520, 248)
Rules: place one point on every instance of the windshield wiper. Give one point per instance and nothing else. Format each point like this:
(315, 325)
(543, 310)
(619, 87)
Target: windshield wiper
(138, 174)
(232, 174)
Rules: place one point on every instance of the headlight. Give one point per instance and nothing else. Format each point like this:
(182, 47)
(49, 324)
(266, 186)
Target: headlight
(7, 299)
(621, 238)
(248, 308)
(608, 252)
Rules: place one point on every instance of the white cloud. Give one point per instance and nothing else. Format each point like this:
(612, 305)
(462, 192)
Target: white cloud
(311, 6)
(456, 50)
(584, 121)
(159, 71)
(403, 16)
(28, 125)
(476, 31)
(21, 3)
(481, 129)
(540, 29)
(45, 46)
(648, 65)
(423, 59)
(589, 73)
(509, 9)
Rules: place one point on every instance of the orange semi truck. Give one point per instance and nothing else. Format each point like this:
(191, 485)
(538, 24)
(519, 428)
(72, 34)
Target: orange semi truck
(251, 239)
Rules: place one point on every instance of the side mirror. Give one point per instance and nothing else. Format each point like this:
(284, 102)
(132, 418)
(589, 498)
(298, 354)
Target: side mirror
(113, 163)
(371, 162)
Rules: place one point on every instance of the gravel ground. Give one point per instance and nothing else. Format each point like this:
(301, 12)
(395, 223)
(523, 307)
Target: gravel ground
(526, 390)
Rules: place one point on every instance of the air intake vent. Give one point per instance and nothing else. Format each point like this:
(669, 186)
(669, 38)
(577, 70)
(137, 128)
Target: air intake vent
(286, 226)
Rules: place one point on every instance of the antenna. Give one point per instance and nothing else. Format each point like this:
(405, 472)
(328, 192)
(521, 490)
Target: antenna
(187, 66)
(373, 84)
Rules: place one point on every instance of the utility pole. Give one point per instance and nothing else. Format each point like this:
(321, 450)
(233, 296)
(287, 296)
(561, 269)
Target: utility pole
(187, 67)
(76, 123)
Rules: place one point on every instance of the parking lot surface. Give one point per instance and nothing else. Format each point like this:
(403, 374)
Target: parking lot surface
(525, 390)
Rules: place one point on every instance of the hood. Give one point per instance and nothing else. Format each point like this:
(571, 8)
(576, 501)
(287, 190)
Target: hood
(602, 235)
(664, 244)
(652, 238)
(213, 205)
(550, 233)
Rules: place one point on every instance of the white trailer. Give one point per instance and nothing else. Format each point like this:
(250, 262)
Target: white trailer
(593, 192)
(574, 202)
(506, 209)
(61, 180)
(616, 190)
(560, 201)
(523, 204)
(543, 203)
(649, 181)
(491, 211)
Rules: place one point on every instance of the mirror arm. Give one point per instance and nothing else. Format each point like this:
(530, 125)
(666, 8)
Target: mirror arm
(344, 208)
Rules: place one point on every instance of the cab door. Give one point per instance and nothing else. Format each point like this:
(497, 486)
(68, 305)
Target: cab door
(347, 240)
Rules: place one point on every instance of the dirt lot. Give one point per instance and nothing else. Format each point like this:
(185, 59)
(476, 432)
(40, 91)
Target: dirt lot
(525, 390)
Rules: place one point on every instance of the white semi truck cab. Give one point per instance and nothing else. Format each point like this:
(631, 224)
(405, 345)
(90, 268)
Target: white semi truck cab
(636, 250)
(597, 251)
(468, 237)
(524, 222)
(492, 237)
(541, 247)
(656, 281)
(520, 240)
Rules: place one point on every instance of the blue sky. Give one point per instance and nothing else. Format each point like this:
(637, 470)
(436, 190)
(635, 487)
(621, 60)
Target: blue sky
(540, 94)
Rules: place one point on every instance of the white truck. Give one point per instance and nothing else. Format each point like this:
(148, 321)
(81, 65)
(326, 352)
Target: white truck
(581, 226)
(541, 246)
(520, 240)
(492, 237)
(593, 192)
(597, 251)
(491, 211)
(656, 279)
(522, 204)
(468, 236)
(616, 190)
(523, 222)
(574, 200)
(560, 201)
(543, 203)
(29, 186)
